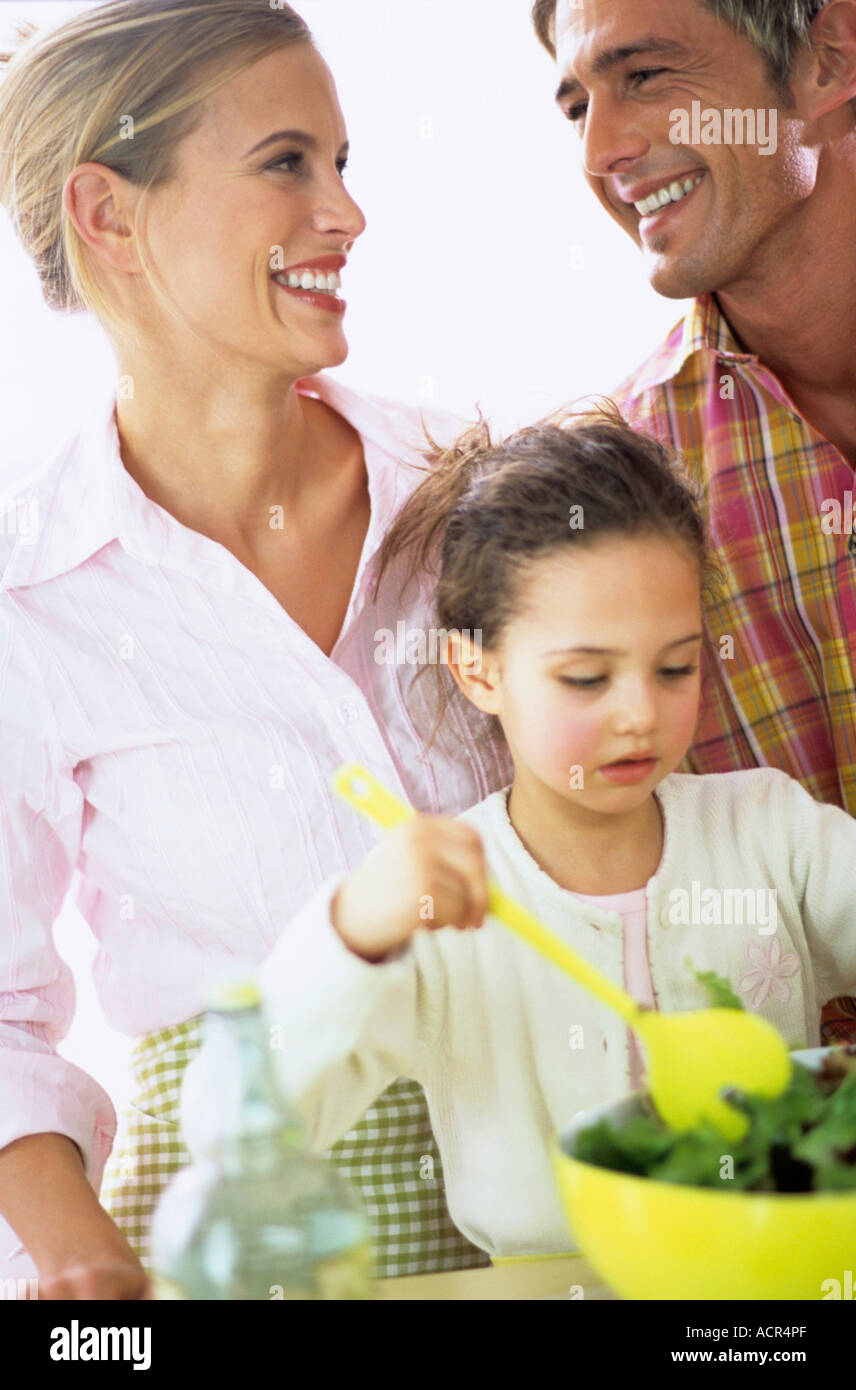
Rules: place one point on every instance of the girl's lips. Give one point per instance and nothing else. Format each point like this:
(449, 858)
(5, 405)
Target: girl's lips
(628, 772)
(331, 302)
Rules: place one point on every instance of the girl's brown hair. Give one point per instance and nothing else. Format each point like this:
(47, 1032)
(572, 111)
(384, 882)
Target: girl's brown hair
(485, 512)
(66, 99)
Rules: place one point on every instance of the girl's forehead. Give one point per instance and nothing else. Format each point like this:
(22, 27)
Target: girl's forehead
(626, 581)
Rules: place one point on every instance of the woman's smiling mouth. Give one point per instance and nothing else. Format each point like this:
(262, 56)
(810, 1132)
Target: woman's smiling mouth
(315, 282)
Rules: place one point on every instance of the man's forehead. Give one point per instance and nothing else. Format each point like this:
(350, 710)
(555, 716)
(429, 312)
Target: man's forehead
(598, 34)
(584, 22)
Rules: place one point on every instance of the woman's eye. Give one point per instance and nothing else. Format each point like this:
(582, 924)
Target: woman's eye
(292, 160)
(678, 670)
(290, 163)
(582, 684)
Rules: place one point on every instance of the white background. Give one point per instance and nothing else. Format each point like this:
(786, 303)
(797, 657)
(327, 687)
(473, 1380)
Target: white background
(488, 273)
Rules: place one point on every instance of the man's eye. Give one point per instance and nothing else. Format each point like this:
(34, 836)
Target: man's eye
(342, 165)
(577, 113)
(641, 74)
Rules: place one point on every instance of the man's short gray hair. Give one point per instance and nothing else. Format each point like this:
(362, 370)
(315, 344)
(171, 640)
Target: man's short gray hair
(777, 28)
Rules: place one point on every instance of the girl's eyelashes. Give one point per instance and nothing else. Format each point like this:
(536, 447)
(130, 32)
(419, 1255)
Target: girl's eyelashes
(589, 682)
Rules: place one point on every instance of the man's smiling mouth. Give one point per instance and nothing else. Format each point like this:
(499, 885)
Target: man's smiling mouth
(669, 193)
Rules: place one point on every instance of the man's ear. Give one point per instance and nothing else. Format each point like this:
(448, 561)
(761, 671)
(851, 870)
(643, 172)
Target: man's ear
(829, 80)
(474, 671)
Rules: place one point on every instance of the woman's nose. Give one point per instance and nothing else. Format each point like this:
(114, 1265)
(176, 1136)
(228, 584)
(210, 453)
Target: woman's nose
(336, 211)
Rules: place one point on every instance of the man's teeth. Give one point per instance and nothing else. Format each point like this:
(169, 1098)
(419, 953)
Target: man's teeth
(310, 280)
(669, 193)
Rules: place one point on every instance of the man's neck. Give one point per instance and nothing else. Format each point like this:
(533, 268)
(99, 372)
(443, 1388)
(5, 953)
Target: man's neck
(798, 315)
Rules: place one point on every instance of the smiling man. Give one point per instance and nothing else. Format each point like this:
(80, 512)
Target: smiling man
(755, 221)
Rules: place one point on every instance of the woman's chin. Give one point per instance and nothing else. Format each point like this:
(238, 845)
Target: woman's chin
(325, 358)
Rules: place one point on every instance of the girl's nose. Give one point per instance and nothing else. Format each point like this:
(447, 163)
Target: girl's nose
(636, 709)
(612, 139)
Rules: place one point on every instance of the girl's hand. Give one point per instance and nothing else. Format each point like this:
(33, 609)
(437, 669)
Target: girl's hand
(99, 1278)
(430, 872)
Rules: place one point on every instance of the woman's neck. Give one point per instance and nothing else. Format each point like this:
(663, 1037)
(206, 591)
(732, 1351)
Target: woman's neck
(218, 456)
(585, 851)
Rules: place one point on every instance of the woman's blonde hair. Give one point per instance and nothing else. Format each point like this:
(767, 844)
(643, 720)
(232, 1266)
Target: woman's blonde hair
(121, 85)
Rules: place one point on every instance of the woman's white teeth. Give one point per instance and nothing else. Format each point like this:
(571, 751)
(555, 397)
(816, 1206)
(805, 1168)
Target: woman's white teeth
(310, 280)
(669, 193)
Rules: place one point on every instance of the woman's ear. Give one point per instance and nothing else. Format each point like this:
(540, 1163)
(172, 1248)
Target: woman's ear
(828, 79)
(475, 672)
(98, 203)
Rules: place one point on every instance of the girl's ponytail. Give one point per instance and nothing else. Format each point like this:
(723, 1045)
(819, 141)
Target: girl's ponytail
(420, 526)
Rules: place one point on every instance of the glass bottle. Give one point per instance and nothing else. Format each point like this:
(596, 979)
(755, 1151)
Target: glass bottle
(255, 1216)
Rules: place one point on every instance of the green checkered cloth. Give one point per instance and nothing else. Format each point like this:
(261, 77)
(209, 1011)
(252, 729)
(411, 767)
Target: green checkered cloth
(390, 1159)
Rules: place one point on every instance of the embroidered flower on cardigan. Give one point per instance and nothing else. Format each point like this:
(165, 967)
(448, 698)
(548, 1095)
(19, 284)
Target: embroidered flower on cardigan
(769, 972)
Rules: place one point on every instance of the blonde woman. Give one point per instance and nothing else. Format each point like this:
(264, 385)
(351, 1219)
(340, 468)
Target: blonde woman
(190, 647)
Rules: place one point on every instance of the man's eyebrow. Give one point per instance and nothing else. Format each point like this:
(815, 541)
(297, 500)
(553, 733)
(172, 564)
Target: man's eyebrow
(611, 58)
(297, 137)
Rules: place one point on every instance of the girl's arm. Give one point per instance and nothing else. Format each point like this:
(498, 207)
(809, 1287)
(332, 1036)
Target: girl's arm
(346, 999)
(822, 841)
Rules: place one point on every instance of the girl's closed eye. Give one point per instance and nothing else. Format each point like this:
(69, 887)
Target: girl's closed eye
(589, 682)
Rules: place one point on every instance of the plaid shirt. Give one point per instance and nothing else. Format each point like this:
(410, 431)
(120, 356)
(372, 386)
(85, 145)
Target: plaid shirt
(785, 694)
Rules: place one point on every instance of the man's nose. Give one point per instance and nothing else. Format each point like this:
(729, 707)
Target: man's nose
(612, 139)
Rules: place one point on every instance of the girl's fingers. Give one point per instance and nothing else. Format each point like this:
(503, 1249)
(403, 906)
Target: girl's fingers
(456, 901)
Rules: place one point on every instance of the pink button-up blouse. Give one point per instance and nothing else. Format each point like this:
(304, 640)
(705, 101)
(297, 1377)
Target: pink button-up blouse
(167, 729)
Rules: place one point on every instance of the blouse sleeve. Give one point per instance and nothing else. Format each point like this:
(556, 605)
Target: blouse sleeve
(41, 817)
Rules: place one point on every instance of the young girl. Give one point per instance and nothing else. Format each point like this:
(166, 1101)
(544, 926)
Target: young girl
(576, 559)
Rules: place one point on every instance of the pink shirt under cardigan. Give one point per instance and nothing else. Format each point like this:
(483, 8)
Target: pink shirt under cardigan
(167, 729)
(632, 908)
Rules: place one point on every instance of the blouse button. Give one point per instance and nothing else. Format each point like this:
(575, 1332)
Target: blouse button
(348, 712)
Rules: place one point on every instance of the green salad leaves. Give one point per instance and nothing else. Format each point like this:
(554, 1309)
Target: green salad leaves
(802, 1141)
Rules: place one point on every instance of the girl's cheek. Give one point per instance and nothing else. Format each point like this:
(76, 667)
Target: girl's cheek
(684, 720)
(563, 739)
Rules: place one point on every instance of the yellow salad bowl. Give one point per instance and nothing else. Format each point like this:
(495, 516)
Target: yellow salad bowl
(660, 1240)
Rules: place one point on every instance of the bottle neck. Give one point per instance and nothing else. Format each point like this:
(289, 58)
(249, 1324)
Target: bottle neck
(263, 1109)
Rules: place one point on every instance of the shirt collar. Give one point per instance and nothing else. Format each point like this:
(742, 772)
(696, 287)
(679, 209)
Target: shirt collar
(84, 498)
(704, 328)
